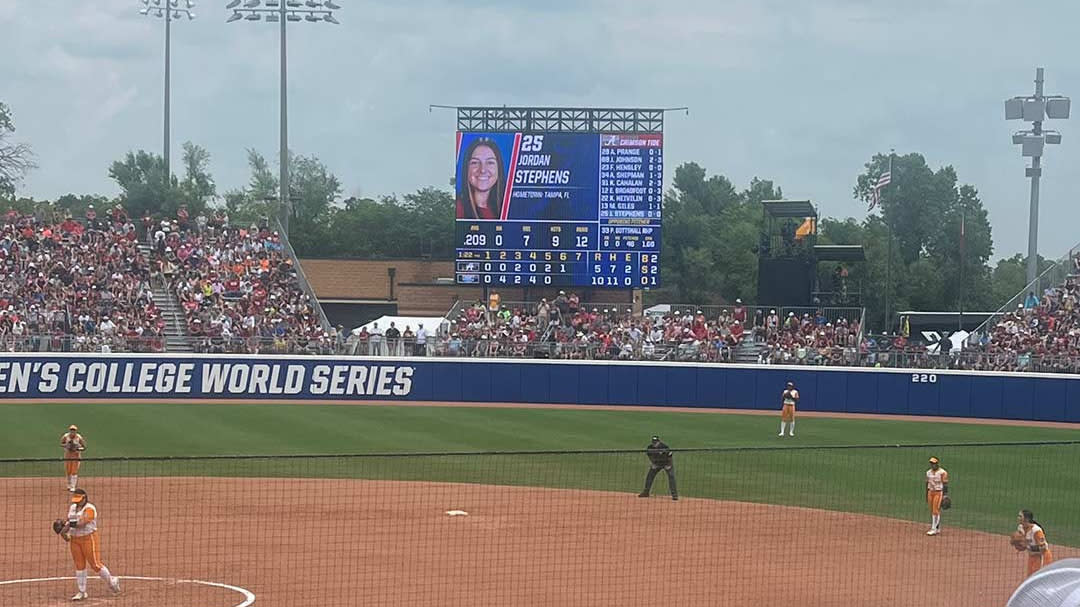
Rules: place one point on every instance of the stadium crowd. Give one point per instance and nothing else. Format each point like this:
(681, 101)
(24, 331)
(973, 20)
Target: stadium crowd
(84, 285)
(237, 287)
(68, 285)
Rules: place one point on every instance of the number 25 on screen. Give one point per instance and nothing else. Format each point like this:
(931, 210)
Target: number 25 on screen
(532, 143)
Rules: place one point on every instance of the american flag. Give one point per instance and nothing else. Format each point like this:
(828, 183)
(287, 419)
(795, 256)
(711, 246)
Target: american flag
(883, 180)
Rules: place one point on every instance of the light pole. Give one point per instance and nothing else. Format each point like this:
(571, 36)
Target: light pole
(1034, 109)
(283, 11)
(167, 10)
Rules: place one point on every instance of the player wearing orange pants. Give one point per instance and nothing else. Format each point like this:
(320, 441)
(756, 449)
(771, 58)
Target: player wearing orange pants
(73, 444)
(82, 529)
(937, 487)
(1038, 549)
(788, 399)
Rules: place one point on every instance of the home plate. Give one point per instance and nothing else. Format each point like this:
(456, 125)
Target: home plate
(456, 513)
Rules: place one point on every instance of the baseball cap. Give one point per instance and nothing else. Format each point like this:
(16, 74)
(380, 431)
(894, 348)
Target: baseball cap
(656, 438)
(933, 460)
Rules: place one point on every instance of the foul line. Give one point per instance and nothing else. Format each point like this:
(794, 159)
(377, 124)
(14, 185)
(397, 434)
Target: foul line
(249, 597)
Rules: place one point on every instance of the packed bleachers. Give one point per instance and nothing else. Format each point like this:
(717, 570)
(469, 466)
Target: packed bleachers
(238, 289)
(68, 285)
(1041, 334)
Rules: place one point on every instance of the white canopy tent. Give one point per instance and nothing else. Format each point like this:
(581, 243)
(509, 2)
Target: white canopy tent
(432, 323)
(377, 344)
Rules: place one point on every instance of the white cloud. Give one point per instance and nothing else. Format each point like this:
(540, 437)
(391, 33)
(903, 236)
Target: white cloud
(799, 92)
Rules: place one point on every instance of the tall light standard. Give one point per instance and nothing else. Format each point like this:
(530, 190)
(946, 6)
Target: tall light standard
(1034, 109)
(283, 11)
(167, 10)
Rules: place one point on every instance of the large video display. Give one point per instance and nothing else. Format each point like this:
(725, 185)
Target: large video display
(559, 209)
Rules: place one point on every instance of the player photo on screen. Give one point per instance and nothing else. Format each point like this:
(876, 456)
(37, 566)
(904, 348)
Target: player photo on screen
(482, 174)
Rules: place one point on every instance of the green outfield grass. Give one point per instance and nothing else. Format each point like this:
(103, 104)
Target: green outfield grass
(989, 483)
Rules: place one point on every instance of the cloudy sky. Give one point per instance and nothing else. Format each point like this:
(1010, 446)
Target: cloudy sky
(799, 92)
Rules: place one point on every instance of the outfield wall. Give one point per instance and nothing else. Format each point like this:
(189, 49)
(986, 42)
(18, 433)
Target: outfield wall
(49, 377)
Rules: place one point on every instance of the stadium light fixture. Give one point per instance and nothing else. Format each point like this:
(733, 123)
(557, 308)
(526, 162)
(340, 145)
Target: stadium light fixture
(1035, 109)
(283, 12)
(172, 11)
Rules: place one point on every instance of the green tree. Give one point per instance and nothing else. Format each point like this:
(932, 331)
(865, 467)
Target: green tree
(141, 177)
(197, 188)
(314, 192)
(258, 201)
(711, 232)
(16, 159)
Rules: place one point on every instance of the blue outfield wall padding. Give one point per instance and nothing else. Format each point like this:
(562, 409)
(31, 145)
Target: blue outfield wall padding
(593, 385)
(681, 387)
(1019, 397)
(988, 397)
(954, 394)
(831, 393)
(536, 383)
(1050, 399)
(150, 377)
(622, 386)
(893, 393)
(1072, 402)
(711, 387)
(506, 385)
(650, 385)
(924, 395)
(741, 389)
(862, 393)
(564, 385)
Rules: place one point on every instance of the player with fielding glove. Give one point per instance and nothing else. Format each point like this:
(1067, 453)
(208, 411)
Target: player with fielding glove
(60, 527)
(937, 494)
(73, 444)
(660, 457)
(81, 532)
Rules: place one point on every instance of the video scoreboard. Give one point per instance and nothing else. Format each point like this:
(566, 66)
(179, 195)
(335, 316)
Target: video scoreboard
(559, 209)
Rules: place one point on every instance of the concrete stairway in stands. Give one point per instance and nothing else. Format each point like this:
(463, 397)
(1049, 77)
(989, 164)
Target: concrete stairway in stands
(748, 351)
(176, 335)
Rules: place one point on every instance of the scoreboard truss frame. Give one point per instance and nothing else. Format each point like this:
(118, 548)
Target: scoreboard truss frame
(561, 120)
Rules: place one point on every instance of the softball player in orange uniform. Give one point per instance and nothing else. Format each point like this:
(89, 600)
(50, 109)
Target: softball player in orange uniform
(74, 444)
(937, 488)
(1035, 541)
(788, 400)
(81, 530)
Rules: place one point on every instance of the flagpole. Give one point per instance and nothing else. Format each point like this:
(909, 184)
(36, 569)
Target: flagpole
(960, 320)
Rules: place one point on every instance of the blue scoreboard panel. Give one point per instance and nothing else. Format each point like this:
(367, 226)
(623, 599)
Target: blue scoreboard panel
(559, 209)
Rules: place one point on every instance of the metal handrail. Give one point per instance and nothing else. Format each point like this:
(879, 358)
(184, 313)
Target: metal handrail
(302, 277)
(1060, 268)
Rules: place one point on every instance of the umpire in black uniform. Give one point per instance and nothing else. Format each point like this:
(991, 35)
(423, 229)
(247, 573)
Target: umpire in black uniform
(660, 456)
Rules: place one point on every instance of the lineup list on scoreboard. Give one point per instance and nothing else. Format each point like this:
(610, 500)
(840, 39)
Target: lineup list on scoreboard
(631, 191)
(598, 225)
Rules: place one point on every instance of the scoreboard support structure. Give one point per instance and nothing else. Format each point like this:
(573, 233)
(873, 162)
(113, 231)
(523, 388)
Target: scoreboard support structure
(559, 197)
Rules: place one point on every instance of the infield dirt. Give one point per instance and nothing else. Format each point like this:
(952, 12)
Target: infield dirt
(354, 542)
